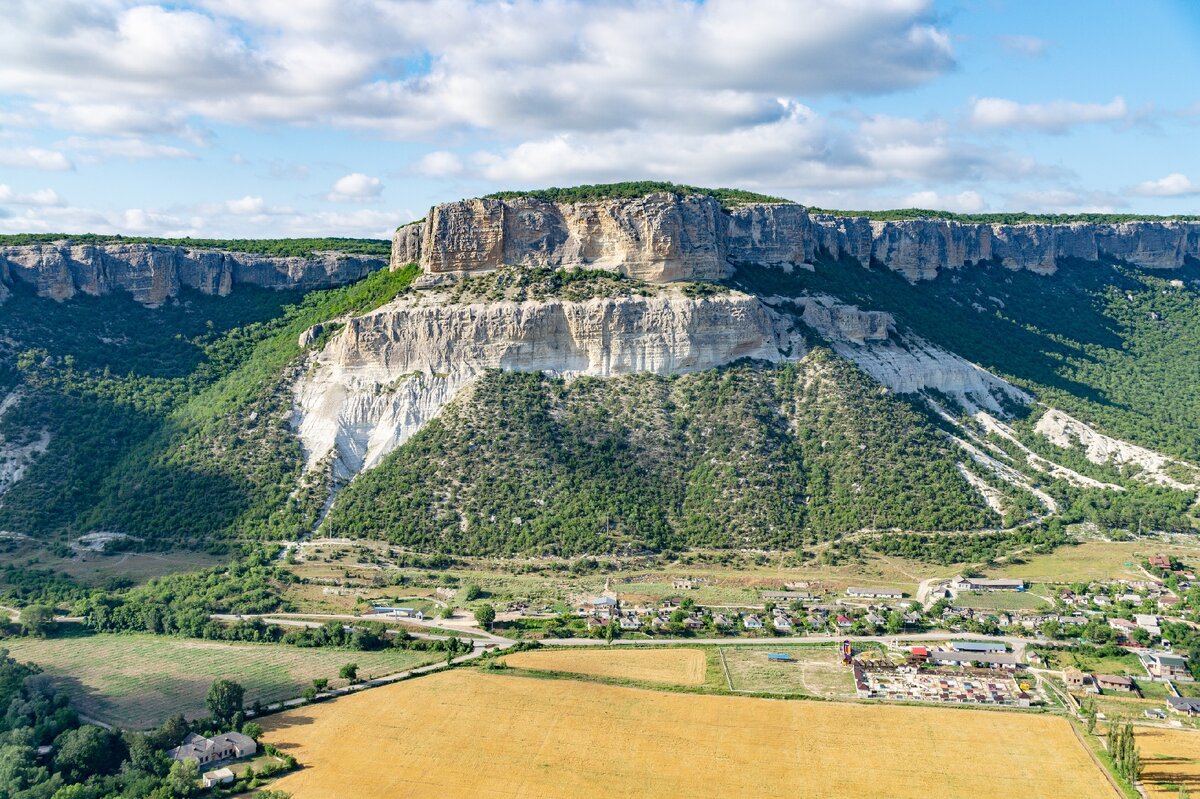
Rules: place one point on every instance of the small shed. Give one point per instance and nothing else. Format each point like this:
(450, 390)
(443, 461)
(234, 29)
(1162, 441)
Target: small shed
(219, 777)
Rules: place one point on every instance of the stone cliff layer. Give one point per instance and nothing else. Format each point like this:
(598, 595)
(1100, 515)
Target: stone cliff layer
(153, 273)
(665, 237)
(389, 372)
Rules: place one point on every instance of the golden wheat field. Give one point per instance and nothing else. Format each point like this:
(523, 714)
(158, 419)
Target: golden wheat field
(1170, 760)
(668, 666)
(472, 733)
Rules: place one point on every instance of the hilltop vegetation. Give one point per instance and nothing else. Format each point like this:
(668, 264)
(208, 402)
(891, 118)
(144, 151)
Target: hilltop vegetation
(632, 190)
(274, 247)
(1005, 218)
(741, 456)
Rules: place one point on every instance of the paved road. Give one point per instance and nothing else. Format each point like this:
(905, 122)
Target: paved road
(1018, 644)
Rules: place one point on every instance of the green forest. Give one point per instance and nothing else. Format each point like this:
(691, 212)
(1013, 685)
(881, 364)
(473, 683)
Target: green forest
(275, 247)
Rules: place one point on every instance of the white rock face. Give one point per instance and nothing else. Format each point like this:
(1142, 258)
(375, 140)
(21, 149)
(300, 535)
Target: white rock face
(386, 374)
(15, 458)
(909, 364)
(1067, 432)
(839, 321)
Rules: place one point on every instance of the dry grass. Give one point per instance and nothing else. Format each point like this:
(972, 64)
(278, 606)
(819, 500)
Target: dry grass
(1170, 760)
(668, 666)
(136, 681)
(816, 671)
(469, 733)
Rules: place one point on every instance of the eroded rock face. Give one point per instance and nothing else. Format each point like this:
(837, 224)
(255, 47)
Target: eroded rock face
(153, 273)
(389, 372)
(665, 237)
(658, 238)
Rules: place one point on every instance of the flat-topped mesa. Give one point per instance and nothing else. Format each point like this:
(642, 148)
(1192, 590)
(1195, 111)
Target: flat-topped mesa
(153, 273)
(665, 237)
(659, 238)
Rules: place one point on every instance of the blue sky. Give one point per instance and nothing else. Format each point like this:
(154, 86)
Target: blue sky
(348, 117)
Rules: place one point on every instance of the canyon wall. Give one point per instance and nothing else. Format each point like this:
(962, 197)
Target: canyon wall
(665, 237)
(153, 273)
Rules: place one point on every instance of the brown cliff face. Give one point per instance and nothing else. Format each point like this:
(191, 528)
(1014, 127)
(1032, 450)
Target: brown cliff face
(665, 237)
(153, 273)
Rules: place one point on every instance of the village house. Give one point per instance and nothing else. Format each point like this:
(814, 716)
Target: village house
(1165, 666)
(1160, 561)
(1167, 602)
(752, 623)
(630, 623)
(1077, 680)
(844, 623)
(782, 623)
(228, 746)
(1149, 623)
(1114, 682)
(721, 620)
(1124, 626)
(1184, 705)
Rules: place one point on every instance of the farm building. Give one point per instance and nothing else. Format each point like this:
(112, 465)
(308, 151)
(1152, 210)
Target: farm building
(1000, 660)
(228, 746)
(874, 593)
(787, 596)
(978, 646)
(400, 613)
(961, 583)
(211, 779)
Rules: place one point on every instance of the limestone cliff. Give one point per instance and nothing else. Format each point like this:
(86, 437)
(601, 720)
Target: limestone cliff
(387, 373)
(664, 237)
(152, 273)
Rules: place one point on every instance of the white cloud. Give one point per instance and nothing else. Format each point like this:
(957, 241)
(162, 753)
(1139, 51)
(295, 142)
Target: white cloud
(1024, 45)
(35, 158)
(248, 205)
(967, 202)
(129, 148)
(355, 187)
(438, 164)
(1175, 184)
(113, 67)
(1055, 117)
(39, 197)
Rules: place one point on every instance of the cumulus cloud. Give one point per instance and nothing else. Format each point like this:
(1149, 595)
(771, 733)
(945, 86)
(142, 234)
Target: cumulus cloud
(967, 202)
(407, 65)
(35, 158)
(1055, 117)
(355, 188)
(1175, 184)
(1024, 45)
(438, 164)
(248, 205)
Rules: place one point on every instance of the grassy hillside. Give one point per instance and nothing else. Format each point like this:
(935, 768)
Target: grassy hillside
(166, 424)
(277, 247)
(741, 456)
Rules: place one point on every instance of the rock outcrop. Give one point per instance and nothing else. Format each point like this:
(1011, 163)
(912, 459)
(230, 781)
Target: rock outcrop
(665, 237)
(153, 273)
(1142, 464)
(389, 372)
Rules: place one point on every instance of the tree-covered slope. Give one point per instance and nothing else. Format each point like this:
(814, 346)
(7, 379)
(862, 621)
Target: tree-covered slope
(1111, 344)
(169, 424)
(746, 455)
